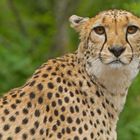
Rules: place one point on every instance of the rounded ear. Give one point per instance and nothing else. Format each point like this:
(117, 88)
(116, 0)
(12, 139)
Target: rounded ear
(77, 21)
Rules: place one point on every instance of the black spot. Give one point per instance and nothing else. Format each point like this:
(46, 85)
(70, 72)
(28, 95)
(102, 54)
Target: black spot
(76, 138)
(17, 129)
(5, 102)
(18, 101)
(49, 95)
(85, 138)
(12, 118)
(50, 85)
(78, 121)
(68, 130)
(53, 104)
(40, 100)
(59, 135)
(112, 105)
(37, 113)
(98, 94)
(45, 119)
(66, 99)
(77, 108)
(104, 123)
(54, 61)
(62, 117)
(32, 131)
(37, 72)
(92, 113)
(57, 95)
(25, 121)
(97, 121)
(50, 119)
(92, 135)
(103, 105)
(63, 65)
(22, 94)
(41, 131)
(80, 130)
(80, 83)
(32, 95)
(73, 128)
(14, 95)
(3, 118)
(24, 136)
(6, 127)
(71, 94)
(17, 113)
(69, 72)
(58, 79)
(92, 100)
(54, 128)
(71, 109)
(25, 110)
(32, 83)
(0, 135)
(36, 76)
(53, 73)
(98, 111)
(36, 124)
(56, 112)
(13, 106)
(95, 125)
(91, 122)
(63, 131)
(107, 101)
(102, 131)
(69, 84)
(47, 108)
(45, 75)
(29, 105)
(69, 120)
(64, 81)
(40, 86)
(60, 89)
(49, 68)
(59, 101)
(9, 138)
(88, 83)
(6, 111)
(84, 113)
(63, 108)
(85, 126)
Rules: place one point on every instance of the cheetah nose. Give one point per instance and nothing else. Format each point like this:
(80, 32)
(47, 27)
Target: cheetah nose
(116, 50)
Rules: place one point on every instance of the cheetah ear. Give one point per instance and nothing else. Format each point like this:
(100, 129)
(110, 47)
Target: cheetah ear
(77, 21)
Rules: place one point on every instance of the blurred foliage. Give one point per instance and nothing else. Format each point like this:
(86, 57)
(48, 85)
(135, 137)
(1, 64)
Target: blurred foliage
(33, 31)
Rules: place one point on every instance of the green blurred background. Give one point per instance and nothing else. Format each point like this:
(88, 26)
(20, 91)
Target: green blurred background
(34, 31)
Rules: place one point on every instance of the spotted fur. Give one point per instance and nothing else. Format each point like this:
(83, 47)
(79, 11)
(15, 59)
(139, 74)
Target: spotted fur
(78, 96)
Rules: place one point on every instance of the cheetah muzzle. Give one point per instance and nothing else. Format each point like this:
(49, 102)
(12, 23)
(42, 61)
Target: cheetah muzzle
(78, 96)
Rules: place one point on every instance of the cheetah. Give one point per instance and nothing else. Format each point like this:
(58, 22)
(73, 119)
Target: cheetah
(80, 95)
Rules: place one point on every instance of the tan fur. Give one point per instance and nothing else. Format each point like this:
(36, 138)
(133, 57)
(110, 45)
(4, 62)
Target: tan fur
(78, 96)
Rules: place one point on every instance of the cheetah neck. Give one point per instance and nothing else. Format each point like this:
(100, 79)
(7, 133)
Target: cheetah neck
(115, 80)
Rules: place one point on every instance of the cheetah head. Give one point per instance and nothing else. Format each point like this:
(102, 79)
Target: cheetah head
(110, 47)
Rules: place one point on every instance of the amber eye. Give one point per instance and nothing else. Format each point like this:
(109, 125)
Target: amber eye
(132, 29)
(99, 30)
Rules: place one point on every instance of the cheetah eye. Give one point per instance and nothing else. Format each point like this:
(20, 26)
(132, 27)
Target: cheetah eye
(132, 29)
(99, 30)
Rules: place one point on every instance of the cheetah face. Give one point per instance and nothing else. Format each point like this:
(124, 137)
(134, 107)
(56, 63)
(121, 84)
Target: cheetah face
(112, 37)
(110, 47)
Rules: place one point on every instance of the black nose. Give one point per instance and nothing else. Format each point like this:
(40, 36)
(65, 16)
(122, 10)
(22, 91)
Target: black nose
(117, 51)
